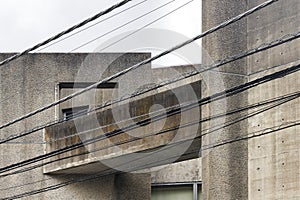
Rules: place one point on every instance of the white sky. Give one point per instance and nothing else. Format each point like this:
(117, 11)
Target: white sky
(27, 22)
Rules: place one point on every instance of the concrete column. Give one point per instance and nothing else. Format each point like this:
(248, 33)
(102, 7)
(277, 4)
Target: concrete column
(225, 167)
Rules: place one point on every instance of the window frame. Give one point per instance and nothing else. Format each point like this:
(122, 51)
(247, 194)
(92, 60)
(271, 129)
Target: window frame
(195, 186)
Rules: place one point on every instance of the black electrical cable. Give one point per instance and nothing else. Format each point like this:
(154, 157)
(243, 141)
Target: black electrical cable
(175, 110)
(107, 172)
(139, 29)
(292, 95)
(281, 100)
(209, 118)
(44, 81)
(121, 73)
(90, 26)
(69, 30)
(107, 32)
(72, 181)
(253, 135)
(260, 48)
(280, 97)
(123, 25)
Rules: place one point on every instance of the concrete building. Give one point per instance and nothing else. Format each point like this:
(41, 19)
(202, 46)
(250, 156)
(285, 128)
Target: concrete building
(262, 167)
(55, 84)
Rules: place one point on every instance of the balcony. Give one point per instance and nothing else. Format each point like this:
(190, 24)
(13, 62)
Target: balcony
(139, 133)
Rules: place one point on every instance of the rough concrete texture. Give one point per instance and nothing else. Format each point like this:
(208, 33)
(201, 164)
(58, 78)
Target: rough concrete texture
(224, 169)
(186, 171)
(126, 185)
(27, 84)
(274, 159)
(125, 150)
(261, 168)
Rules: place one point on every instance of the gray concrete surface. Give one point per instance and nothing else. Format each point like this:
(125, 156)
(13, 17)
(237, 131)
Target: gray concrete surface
(27, 84)
(224, 169)
(129, 146)
(186, 171)
(274, 159)
(261, 168)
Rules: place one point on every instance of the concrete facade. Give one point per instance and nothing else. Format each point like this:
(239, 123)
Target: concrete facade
(36, 92)
(269, 167)
(265, 167)
(29, 83)
(274, 159)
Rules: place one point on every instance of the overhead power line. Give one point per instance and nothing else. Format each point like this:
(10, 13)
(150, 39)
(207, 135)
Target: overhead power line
(165, 15)
(43, 82)
(61, 185)
(285, 99)
(274, 103)
(238, 110)
(212, 30)
(260, 48)
(221, 144)
(123, 25)
(175, 110)
(111, 171)
(90, 26)
(264, 132)
(144, 26)
(69, 30)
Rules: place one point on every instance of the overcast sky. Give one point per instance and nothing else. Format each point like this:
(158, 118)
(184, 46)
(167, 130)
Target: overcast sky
(27, 22)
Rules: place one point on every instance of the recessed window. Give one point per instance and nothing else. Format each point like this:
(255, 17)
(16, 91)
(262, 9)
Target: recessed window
(179, 191)
(70, 113)
(81, 85)
(66, 111)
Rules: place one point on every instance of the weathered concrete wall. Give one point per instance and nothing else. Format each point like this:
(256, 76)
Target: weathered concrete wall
(186, 171)
(27, 84)
(125, 148)
(224, 169)
(274, 159)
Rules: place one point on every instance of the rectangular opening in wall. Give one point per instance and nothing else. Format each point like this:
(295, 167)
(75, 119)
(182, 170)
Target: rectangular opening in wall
(70, 113)
(186, 191)
(67, 110)
(81, 85)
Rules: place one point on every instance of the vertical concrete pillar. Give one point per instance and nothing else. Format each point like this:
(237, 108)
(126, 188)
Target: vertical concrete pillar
(225, 168)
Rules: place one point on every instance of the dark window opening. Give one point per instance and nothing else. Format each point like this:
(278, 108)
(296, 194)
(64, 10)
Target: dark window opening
(176, 191)
(78, 85)
(70, 113)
